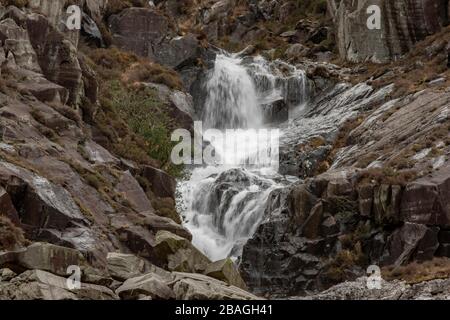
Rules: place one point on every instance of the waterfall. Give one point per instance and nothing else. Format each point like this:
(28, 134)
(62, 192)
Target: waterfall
(231, 100)
(223, 205)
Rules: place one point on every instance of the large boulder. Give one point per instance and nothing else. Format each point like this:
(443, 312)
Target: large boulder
(178, 254)
(426, 200)
(17, 43)
(124, 266)
(148, 285)
(180, 104)
(51, 258)
(412, 242)
(200, 287)
(178, 51)
(162, 184)
(403, 23)
(130, 190)
(42, 285)
(139, 30)
(225, 270)
(42, 204)
(156, 223)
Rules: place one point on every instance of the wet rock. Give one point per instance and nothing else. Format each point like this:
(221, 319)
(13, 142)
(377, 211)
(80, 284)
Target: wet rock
(302, 202)
(276, 112)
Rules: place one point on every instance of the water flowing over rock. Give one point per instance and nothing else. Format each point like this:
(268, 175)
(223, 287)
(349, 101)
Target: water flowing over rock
(248, 92)
(231, 100)
(228, 211)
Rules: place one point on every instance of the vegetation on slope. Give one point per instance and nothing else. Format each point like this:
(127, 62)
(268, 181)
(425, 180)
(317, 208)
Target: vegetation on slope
(132, 117)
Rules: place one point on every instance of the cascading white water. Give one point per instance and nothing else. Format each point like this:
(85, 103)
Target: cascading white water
(232, 101)
(223, 205)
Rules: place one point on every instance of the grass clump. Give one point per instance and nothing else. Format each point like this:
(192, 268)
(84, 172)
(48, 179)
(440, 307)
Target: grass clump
(134, 122)
(387, 175)
(147, 118)
(16, 3)
(152, 72)
(11, 237)
(415, 272)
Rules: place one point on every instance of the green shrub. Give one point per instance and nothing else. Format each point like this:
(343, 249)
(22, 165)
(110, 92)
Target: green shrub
(147, 118)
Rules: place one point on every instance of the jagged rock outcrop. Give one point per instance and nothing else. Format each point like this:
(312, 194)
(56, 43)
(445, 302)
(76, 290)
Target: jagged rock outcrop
(311, 226)
(128, 32)
(403, 23)
(148, 33)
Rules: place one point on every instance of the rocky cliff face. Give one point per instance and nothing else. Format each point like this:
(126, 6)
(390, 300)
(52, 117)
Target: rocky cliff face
(403, 24)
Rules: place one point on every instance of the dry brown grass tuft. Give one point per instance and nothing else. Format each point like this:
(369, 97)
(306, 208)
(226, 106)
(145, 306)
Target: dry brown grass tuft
(110, 63)
(11, 237)
(146, 71)
(17, 3)
(386, 175)
(415, 272)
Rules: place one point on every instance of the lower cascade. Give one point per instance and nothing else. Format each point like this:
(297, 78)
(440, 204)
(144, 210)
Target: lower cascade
(224, 204)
